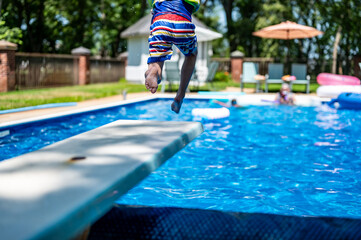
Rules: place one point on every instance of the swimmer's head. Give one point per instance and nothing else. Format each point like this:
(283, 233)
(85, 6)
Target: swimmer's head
(234, 101)
(285, 87)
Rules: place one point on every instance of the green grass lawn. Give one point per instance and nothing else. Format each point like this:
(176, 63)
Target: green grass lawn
(26, 98)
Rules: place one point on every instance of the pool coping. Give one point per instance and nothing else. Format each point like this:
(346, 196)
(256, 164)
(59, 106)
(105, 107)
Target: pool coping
(54, 197)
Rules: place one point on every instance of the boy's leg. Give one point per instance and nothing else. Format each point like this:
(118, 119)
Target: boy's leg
(153, 76)
(186, 74)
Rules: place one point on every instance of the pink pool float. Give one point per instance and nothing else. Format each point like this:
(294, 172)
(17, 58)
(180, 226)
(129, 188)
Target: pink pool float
(336, 79)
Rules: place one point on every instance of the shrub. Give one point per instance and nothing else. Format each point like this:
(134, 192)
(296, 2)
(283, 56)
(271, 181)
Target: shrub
(222, 77)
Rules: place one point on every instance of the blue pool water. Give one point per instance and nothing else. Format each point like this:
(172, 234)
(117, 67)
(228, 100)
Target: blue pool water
(270, 159)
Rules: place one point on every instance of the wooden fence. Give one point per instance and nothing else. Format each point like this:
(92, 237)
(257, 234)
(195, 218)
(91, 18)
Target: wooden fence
(106, 70)
(35, 70)
(225, 63)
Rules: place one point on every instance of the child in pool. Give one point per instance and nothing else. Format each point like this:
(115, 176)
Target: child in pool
(285, 96)
(231, 103)
(172, 24)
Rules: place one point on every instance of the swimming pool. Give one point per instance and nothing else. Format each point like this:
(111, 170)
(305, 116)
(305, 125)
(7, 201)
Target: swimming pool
(269, 159)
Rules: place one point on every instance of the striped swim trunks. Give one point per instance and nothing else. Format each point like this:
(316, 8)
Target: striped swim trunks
(169, 29)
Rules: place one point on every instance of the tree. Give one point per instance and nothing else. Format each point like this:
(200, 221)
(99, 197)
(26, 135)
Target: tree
(206, 14)
(245, 24)
(113, 18)
(272, 12)
(228, 6)
(334, 16)
(58, 26)
(13, 35)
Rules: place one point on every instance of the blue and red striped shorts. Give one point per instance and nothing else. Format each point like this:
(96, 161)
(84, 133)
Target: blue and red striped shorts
(169, 29)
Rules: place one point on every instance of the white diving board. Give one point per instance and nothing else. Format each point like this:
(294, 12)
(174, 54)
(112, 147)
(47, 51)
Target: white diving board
(43, 195)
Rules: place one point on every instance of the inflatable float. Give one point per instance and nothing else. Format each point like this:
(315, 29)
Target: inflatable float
(347, 101)
(210, 113)
(334, 91)
(335, 79)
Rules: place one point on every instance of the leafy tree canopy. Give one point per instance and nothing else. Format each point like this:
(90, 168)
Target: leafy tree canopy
(57, 26)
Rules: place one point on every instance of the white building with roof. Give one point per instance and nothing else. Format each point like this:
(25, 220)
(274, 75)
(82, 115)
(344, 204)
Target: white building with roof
(138, 50)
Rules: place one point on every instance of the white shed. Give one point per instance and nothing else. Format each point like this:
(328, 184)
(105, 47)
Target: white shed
(138, 51)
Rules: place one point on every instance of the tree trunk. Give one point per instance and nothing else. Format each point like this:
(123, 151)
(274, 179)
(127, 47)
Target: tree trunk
(320, 61)
(29, 28)
(81, 20)
(203, 7)
(115, 44)
(227, 5)
(40, 27)
(19, 12)
(143, 8)
(335, 46)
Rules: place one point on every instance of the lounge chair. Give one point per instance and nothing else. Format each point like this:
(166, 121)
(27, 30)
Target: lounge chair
(250, 70)
(172, 73)
(299, 70)
(212, 69)
(275, 74)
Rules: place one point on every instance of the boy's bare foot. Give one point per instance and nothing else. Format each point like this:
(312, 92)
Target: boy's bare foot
(153, 76)
(151, 80)
(176, 105)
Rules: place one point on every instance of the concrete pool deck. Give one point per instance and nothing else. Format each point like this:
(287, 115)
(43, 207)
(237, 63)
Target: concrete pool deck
(57, 191)
(118, 99)
(6, 118)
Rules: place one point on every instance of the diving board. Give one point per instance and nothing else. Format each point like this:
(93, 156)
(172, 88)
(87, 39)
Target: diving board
(46, 195)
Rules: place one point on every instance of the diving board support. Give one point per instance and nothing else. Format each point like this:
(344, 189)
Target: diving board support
(57, 191)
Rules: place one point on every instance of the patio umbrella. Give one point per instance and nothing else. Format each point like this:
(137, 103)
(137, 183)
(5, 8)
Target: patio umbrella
(287, 30)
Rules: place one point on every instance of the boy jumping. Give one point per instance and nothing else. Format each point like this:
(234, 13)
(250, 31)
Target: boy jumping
(172, 24)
